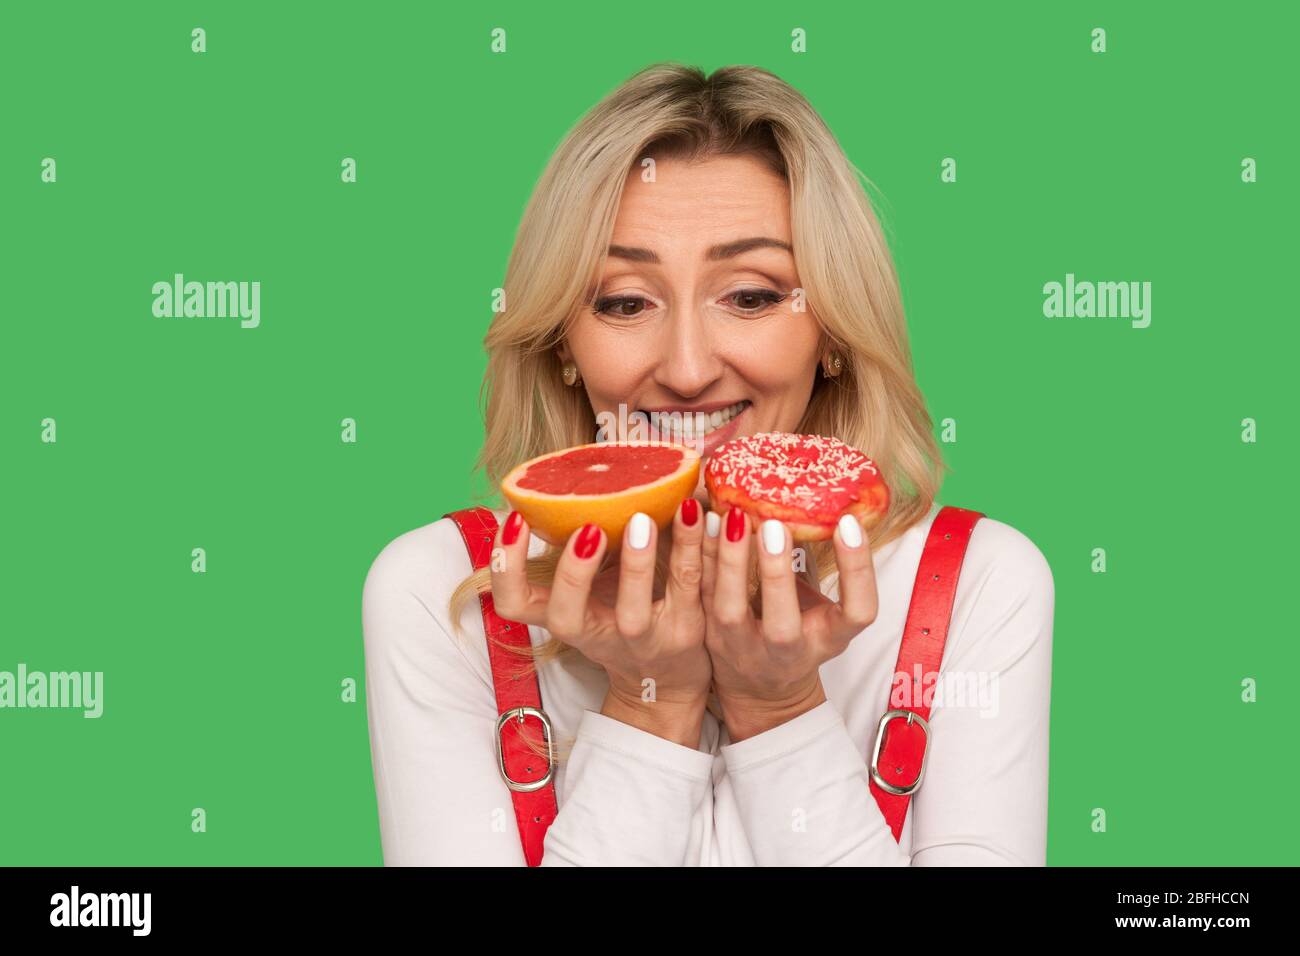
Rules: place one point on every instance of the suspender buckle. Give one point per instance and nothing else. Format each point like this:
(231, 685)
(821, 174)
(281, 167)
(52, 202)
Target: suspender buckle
(881, 782)
(519, 714)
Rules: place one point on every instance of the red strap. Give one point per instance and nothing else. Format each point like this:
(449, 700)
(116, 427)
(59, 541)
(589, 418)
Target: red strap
(903, 751)
(534, 810)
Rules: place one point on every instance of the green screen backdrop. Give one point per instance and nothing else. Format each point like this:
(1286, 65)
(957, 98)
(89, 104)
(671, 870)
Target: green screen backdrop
(1167, 158)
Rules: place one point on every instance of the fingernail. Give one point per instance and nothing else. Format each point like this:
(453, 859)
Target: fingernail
(638, 530)
(690, 512)
(712, 524)
(735, 524)
(850, 531)
(588, 541)
(773, 536)
(510, 533)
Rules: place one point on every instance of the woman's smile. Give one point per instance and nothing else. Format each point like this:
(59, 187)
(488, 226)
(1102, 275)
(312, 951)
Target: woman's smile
(704, 426)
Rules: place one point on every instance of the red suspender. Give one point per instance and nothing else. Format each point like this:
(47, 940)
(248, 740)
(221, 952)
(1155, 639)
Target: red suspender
(898, 765)
(519, 698)
(897, 758)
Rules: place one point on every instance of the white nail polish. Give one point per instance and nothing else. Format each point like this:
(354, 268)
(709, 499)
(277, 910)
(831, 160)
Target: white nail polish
(712, 524)
(850, 531)
(773, 536)
(638, 530)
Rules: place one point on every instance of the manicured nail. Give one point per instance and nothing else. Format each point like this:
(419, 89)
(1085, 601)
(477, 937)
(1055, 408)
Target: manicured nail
(588, 541)
(773, 536)
(638, 531)
(712, 524)
(510, 533)
(735, 524)
(850, 531)
(690, 512)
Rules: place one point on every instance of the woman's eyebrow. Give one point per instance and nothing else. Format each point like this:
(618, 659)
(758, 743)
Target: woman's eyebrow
(726, 250)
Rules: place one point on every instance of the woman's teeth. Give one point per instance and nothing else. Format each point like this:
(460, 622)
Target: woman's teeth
(688, 426)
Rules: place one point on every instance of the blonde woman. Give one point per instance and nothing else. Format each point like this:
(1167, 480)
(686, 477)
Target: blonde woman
(702, 244)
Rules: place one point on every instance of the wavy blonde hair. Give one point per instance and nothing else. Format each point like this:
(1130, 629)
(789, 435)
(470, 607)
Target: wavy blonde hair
(848, 276)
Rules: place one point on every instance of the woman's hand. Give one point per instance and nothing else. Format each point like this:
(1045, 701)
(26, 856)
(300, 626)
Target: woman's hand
(634, 637)
(765, 668)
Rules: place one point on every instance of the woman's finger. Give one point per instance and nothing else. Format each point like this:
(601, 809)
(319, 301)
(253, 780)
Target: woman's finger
(636, 576)
(513, 597)
(730, 608)
(709, 555)
(686, 564)
(566, 611)
(782, 619)
(859, 601)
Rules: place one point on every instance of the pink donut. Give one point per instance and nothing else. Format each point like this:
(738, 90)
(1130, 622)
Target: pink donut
(807, 481)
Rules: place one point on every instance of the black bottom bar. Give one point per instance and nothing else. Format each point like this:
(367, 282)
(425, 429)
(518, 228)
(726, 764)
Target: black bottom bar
(235, 904)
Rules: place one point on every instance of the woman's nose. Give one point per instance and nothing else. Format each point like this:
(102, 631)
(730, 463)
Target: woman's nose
(688, 363)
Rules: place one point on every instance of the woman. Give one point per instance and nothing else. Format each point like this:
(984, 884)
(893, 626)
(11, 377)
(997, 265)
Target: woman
(702, 244)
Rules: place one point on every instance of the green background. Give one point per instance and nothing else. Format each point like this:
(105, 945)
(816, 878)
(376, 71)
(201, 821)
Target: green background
(222, 690)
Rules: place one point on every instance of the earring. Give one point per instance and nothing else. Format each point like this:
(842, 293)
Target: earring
(571, 376)
(834, 365)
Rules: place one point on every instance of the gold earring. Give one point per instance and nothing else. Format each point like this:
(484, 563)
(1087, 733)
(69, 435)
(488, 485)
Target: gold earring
(834, 365)
(571, 376)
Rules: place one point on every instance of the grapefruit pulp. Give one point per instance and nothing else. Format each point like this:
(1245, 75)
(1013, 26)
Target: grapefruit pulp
(604, 483)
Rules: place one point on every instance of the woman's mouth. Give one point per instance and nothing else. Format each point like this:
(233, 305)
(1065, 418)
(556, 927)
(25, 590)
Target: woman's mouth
(703, 430)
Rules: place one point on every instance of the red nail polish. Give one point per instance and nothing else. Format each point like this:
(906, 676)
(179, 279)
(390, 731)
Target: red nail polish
(587, 542)
(735, 524)
(690, 512)
(510, 533)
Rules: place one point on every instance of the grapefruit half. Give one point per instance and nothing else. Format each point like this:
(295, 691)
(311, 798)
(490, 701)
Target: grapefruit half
(604, 483)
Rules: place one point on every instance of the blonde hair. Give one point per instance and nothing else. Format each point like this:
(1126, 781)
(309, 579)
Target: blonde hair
(843, 262)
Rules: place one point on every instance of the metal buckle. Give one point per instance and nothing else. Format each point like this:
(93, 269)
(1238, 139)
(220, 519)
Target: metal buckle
(881, 782)
(519, 713)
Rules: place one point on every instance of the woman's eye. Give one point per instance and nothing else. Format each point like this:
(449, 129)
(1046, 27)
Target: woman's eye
(621, 304)
(755, 300)
(631, 306)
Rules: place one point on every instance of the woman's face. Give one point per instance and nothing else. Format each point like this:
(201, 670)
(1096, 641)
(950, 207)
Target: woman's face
(698, 307)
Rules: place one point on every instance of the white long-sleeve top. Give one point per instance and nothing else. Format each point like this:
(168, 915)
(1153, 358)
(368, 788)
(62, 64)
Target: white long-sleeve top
(794, 795)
